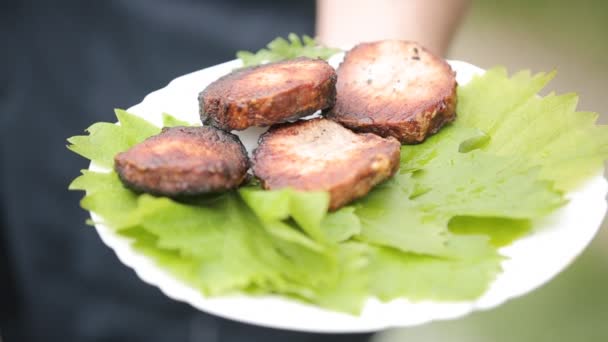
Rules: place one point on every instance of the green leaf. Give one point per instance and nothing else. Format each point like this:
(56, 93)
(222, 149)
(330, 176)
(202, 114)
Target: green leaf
(135, 128)
(412, 211)
(476, 183)
(351, 289)
(281, 49)
(341, 225)
(105, 140)
(171, 121)
(92, 181)
(290, 233)
(230, 246)
(388, 218)
(268, 205)
(477, 141)
(545, 132)
(487, 100)
(107, 197)
(307, 209)
(502, 231)
(397, 274)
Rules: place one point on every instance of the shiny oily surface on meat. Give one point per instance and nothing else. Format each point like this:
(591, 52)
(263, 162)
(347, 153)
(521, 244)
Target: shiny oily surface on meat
(268, 94)
(184, 161)
(321, 155)
(394, 88)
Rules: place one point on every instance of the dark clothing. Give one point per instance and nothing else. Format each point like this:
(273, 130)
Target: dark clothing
(65, 65)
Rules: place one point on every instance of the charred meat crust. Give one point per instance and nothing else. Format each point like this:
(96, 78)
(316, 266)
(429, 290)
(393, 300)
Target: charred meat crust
(394, 88)
(321, 155)
(184, 161)
(411, 131)
(268, 94)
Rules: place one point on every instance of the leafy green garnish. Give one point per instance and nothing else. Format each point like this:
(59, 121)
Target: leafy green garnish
(171, 121)
(105, 139)
(281, 48)
(544, 132)
(502, 231)
(437, 182)
(431, 232)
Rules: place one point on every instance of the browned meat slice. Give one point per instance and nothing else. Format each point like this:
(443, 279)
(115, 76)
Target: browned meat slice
(321, 155)
(268, 94)
(394, 88)
(184, 161)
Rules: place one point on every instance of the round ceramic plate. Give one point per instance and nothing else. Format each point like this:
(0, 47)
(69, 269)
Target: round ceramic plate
(530, 262)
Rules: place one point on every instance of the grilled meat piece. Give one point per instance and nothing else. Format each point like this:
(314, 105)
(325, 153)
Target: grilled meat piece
(321, 155)
(394, 88)
(268, 94)
(184, 161)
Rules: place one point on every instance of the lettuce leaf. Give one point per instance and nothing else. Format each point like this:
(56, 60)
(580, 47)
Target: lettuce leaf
(420, 277)
(107, 197)
(281, 48)
(228, 245)
(437, 182)
(306, 209)
(106, 139)
(565, 144)
(431, 232)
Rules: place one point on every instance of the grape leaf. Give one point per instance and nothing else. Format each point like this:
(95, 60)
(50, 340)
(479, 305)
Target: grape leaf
(281, 48)
(352, 286)
(229, 246)
(501, 231)
(437, 182)
(341, 225)
(171, 121)
(419, 277)
(307, 209)
(107, 197)
(565, 144)
(105, 139)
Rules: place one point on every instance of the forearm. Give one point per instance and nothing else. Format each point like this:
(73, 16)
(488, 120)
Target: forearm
(343, 23)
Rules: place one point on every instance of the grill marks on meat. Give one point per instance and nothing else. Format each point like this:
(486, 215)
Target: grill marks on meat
(268, 94)
(394, 88)
(321, 155)
(184, 161)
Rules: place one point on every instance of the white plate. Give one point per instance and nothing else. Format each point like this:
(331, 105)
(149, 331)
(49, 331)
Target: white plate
(531, 261)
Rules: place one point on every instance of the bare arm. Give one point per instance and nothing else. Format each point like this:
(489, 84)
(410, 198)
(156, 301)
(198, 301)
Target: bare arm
(344, 23)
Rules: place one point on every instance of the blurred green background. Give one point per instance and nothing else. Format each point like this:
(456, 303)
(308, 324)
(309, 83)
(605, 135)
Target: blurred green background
(541, 35)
